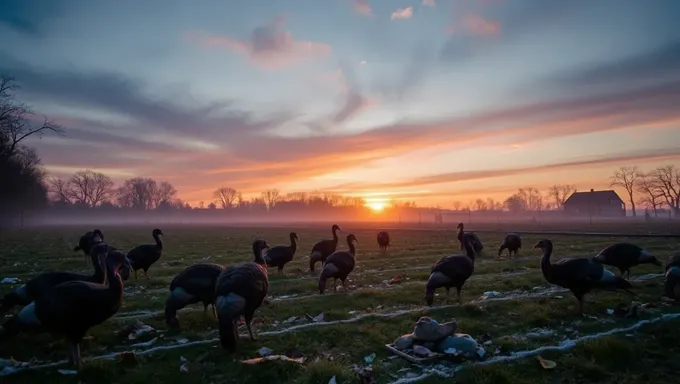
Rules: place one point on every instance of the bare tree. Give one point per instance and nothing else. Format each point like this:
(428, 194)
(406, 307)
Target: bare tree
(225, 196)
(162, 193)
(15, 120)
(532, 200)
(625, 178)
(650, 194)
(666, 181)
(456, 205)
(102, 188)
(201, 204)
(80, 187)
(137, 193)
(59, 190)
(239, 199)
(514, 203)
(271, 197)
(480, 205)
(559, 193)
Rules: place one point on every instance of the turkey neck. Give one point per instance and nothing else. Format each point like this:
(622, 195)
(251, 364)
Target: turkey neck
(293, 244)
(546, 266)
(469, 250)
(114, 280)
(159, 242)
(460, 233)
(99, 272)
(352, 249)
(335, 236)
(258, 256)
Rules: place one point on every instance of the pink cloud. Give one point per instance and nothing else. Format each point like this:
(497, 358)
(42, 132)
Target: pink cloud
(402, 13)
(269, 46)
(429, 3)
(362, 7)
(475, 25)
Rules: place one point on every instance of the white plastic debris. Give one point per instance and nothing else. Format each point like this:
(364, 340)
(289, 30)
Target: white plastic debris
(264, 351)
(146, 344)
(290, 319)
(182, 341)
(10, 280)
(183, 364)
(489, 294)
(143, 329)
(318, 318)
(369, 359)
(610, 311)
(451, 351)
(332, 380)
(67, 372)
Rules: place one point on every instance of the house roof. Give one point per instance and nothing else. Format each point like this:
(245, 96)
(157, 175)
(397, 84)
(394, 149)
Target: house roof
(593, 197)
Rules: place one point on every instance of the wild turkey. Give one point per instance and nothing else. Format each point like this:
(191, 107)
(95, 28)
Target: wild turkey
(512, 242)
(339, 265)
(144, 256)
(322, 249)
(672, 278)
(70, 309)
(579, 275)
(280, 255)
(474, 239)
(383, 240)
(451, 271)
(195, 283)
(624, 256)
(86, 241)
(45, 282)
(240, 290)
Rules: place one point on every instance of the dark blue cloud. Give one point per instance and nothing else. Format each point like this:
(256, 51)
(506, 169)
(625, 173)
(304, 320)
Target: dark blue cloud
(28, 16)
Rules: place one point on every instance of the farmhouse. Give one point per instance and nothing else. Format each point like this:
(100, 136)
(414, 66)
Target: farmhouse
(595, 203)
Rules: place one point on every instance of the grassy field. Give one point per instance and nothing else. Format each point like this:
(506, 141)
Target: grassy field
(526, 315)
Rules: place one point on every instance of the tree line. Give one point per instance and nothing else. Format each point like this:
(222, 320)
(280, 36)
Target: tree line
(653, 189)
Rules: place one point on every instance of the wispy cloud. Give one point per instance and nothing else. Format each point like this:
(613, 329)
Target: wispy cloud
(429, 3)
(269, 46)
(475, 25)
(402, 13)
(363, 7)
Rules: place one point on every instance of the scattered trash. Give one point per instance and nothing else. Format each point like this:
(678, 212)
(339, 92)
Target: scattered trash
(67, 372)
(489, 294)
(546, 364)
(134, 330)
(369, 359)
(264, 351)
(428, 329)
(259, 360)
(183, 364)
(290, 319)
(421, 351)
(403, 342)
(463, 343)
(10, 280)
(558, 297)
(146, 344)
(395, 280)
(315, 319)
(610, 311)
(182, 341)
(332, 380)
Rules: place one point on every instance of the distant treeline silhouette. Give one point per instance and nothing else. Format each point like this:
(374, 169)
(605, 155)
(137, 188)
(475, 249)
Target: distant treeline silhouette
(26, 190)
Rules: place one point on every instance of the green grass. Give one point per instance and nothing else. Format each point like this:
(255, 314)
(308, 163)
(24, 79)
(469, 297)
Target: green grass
(333, 349)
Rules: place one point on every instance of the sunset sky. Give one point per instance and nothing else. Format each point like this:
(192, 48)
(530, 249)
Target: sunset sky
(426, 100)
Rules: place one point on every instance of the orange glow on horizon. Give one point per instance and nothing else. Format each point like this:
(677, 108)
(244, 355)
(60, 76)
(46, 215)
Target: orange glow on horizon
(375, 204)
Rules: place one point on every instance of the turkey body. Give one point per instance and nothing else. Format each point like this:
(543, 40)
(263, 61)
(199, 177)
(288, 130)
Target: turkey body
(194, 284)
(145, 255)
(512, 242)
(672, 277)
(451, 272)
(624, 256)
(281, 255)
(338, 265)
(239, 291)
(579, 275)
(70, 309)
(323, 249)
(43, 283)
(383, 240)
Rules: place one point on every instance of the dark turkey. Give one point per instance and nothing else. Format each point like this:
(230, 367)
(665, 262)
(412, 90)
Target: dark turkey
(70, 309)
(87, 240)
(383, 240)
(672, 278)
(624, 256)
(474, 239)
(322, 249)
(512, 242)
(280, 255)
(338, 265)
(194, 284)
(579, 275)
(451, 271)
(43, 283)
(144, 256)
(240, 290)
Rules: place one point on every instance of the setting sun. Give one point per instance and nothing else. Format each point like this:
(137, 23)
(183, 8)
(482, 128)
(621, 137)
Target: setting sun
(376, 206)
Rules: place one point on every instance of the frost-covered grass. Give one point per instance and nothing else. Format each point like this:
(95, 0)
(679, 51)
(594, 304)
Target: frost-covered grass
(357, 323)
